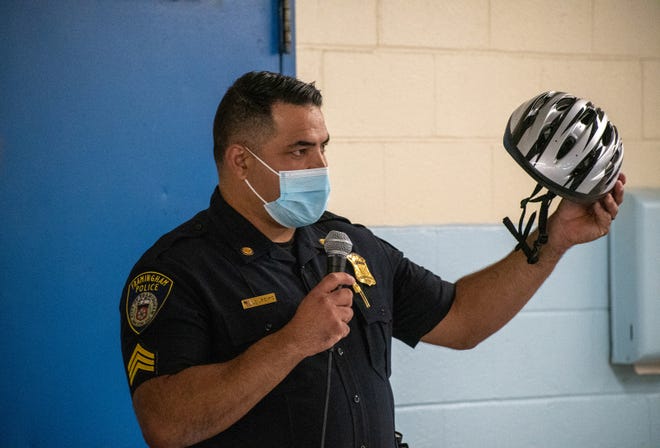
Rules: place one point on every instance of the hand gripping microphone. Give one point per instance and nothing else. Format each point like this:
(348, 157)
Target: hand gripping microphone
(337, 246)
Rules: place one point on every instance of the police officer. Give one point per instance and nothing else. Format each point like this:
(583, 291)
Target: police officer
(229, 321)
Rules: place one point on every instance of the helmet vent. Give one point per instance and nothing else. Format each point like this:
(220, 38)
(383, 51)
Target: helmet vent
(566, 147)
(588, 117)
(607, 135)
(581, 171)
(546, 133)
(541, 143)
(564, 104)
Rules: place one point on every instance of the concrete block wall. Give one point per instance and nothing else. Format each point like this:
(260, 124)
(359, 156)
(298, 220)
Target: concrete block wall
(417, 95)
(418, 92)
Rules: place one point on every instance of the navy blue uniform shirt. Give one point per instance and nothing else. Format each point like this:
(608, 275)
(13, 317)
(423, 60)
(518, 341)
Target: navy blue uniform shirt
(210, 288)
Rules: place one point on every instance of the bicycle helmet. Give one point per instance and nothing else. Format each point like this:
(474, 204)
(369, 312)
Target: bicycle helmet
(568, 146)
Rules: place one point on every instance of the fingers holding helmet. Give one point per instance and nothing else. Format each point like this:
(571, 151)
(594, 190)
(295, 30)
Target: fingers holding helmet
(619, 189)
(611, 201)
(576, 223)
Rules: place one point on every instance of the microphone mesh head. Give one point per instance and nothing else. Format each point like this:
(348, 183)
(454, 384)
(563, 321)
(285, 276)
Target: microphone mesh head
(338, 243)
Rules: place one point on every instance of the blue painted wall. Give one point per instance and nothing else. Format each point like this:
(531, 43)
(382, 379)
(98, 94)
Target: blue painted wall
(545, 380)
(106, 109)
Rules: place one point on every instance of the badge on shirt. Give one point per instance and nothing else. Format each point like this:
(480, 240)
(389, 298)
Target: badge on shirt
(146, 295)
(253, 302)
(362, 273)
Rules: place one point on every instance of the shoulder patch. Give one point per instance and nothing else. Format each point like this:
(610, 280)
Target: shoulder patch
(146, 295)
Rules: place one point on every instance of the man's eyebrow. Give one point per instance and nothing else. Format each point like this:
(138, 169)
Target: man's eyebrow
(306, 143)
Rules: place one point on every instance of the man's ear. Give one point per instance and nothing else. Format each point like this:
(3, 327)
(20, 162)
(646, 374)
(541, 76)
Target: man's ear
(236, 161)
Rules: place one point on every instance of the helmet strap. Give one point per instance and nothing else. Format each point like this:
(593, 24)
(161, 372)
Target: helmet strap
(522, 232)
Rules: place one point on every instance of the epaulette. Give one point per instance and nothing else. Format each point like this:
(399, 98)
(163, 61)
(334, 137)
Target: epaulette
(328, 217)
(193, 228)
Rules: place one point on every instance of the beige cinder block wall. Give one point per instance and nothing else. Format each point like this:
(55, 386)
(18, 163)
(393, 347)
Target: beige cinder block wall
(417, 95)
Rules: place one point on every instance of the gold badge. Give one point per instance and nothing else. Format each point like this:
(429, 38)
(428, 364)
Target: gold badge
(146, 295)
(248, 251)
(258, 301)
(141, 359)
(361, 270)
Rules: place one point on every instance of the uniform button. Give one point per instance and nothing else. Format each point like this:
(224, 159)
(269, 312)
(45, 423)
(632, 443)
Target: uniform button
(382, 310)
(363, 446)
(248, 251)
(340, 351)
(268, 326)
(356, 398)
(199, 226)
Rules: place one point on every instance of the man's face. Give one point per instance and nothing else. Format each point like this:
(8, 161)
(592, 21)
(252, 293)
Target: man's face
(298, 143)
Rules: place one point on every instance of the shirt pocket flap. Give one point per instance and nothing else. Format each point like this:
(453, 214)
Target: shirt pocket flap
(371, 306)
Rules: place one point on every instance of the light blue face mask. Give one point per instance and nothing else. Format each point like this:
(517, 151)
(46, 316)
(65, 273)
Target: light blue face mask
(303, 195)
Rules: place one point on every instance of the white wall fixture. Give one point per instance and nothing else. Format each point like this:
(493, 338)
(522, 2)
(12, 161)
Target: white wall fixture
(635, 282)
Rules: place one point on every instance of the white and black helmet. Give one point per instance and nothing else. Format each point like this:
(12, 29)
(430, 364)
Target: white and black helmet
(566, 144)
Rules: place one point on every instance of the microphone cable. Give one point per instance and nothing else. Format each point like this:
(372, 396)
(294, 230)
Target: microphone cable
(327, 397)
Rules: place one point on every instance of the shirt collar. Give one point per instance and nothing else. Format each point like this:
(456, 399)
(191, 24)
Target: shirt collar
(249, 244)
(246, 241)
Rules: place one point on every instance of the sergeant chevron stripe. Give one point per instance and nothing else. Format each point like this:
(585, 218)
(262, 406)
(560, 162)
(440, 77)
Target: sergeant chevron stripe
(141, 359)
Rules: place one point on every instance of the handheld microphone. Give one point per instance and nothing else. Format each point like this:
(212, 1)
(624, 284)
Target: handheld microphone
(337, 246)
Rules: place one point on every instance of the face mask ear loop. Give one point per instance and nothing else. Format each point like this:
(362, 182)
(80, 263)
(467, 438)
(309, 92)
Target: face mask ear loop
(262, 162)
(255, 191)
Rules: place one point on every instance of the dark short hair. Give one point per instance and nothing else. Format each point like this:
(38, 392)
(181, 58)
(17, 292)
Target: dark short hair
(244, 113)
